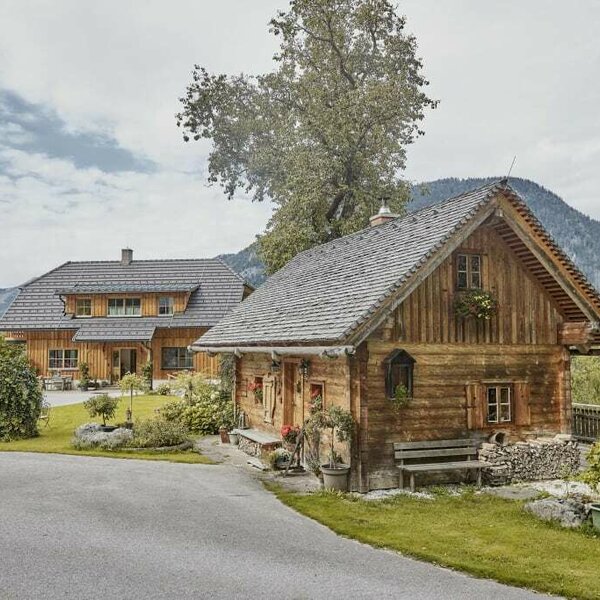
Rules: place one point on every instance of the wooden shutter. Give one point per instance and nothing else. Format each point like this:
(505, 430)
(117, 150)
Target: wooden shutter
(522, 403)
(268, 398)
(476, 409)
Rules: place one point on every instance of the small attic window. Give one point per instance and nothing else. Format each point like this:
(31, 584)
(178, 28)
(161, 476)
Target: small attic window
(398, 371)
(468, 271)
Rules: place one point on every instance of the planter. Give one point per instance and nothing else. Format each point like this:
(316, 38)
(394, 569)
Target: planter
(234, 438)
(224, 435)
(337, 478)
(596, 515)
(108, 428)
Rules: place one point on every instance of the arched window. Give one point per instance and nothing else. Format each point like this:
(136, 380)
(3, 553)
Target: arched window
(398, 371)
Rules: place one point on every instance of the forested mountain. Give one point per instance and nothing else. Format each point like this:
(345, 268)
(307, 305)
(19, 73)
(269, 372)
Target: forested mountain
(578, 234)
(6, 297)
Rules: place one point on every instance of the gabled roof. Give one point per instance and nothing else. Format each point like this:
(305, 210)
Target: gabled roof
(328, 294)
(215, 290)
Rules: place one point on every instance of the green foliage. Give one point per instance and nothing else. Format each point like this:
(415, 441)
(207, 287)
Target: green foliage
(164, 389)
(192, 385)
(475, 303)
(585, 379)
(158, 433)
(131, 382)
(401, 397)
(147, 373)
(20, 394)
(103, 406)
(226, 372)
(592, 474)
(204, 407)
(324, 134)
(84, 375)
(338, 421)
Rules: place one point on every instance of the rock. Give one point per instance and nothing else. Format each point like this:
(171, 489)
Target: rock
(568, 513)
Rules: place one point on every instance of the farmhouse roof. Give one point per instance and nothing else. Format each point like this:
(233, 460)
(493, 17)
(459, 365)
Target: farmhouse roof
(328, 294)
(214, 290)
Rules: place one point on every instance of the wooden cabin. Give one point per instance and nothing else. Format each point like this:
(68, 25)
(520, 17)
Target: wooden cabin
(117, 315)
(385, 307)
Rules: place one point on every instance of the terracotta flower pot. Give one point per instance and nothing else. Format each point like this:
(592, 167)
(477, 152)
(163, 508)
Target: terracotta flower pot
(224, 435)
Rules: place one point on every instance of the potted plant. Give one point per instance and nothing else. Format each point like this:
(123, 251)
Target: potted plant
(477, 304)
(103, 406)
(257, 389)
(289, 436)
(147, 373)
(340, 424)
(234, 437)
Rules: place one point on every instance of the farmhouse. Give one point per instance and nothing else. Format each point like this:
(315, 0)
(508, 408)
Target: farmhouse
(117, 315)
(466, 311)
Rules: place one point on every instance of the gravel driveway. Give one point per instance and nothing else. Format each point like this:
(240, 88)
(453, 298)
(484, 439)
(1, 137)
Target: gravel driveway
(81, 527)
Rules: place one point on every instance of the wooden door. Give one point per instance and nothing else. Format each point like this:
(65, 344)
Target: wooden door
(293, 404)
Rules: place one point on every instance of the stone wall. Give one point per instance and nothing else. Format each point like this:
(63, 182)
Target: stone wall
(543, 458)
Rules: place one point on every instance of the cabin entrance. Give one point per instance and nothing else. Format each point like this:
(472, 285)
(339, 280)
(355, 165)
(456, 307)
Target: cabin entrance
(124, 361)
(293, 404)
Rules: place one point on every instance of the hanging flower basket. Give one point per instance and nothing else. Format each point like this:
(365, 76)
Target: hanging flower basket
(476, 303)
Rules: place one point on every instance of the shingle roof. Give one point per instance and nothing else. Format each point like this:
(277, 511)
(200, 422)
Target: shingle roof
(126, 288)
(115, 330)
(217, 290)
(324, 293)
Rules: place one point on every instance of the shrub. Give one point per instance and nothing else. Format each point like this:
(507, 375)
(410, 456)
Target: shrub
(192, 386)
(164, 389)
(20, 394)
(156, 433)
(592, 474)
(103, 406)
(204, 408)
(131, 382)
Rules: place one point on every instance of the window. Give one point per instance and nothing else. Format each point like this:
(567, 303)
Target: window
(177, 358)
(83, 307)
(499, 404)
(63, 359)
(399, 371)
(165, 305)
(124, 307)
(468, 271)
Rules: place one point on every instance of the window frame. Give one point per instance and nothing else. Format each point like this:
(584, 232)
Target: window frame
(186, 355)
(468, 270)
(170, 305)
(124, 304)
(81, 315)
(395, 363)
(499, 403)
(65, 363)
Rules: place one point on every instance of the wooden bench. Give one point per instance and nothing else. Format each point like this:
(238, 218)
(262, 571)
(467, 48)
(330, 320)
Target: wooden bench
(437, 456)
(257, 443)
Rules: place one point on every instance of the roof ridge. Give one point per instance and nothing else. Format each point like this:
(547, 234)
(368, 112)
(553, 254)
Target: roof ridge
(242, 279)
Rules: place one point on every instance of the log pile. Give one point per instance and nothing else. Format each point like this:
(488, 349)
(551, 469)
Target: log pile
(543, 458)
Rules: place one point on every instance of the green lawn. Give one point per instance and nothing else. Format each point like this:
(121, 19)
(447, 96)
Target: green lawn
(64, 419)
(477, 533)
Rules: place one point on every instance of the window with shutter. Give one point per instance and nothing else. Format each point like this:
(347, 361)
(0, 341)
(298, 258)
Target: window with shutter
(268, 398)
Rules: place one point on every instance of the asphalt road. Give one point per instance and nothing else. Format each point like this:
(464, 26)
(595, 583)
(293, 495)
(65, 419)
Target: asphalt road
(80, 527)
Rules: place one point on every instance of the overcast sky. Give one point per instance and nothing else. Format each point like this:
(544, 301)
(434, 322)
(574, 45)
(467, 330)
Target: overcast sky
(91, 159)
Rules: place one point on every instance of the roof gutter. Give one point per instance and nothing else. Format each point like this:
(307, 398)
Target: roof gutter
(278, 351)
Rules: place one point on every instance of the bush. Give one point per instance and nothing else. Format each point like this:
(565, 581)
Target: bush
(20, 394)
(164, 389)
(204, 408)
(156, 433)
(103, 406)
(592, 474)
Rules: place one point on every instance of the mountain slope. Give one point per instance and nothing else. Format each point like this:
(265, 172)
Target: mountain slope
(6, 297)
(576, 233)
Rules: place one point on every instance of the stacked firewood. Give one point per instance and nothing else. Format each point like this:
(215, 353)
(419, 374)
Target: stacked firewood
(542, 458)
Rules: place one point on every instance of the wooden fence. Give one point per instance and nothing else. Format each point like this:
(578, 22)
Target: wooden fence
(586, 421)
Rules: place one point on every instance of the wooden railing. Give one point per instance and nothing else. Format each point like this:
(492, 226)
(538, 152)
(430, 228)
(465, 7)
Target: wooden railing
(586, 421)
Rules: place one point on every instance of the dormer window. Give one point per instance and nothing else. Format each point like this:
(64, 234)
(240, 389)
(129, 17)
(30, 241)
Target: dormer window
(166, 305)
(83, 307)
(124, 307)
(468, 271)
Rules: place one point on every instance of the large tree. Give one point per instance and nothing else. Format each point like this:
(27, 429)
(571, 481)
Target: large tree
(323, 135)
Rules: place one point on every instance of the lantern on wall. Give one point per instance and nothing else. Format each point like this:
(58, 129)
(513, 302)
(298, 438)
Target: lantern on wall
(303, 368)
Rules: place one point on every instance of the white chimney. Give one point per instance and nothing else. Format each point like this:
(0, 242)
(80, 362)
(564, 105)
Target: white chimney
(126, 256)
(383, 216)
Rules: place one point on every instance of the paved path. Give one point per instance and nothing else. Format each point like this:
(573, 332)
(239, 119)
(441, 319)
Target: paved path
(81, 527)
(58, 398)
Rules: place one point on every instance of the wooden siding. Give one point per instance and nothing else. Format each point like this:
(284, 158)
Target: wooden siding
(149, 303)
(526, 313)
(99, 355)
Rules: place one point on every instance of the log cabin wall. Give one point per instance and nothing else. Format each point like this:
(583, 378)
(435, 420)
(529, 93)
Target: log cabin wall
(99, 355)
(332, 374)
(518, 346)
